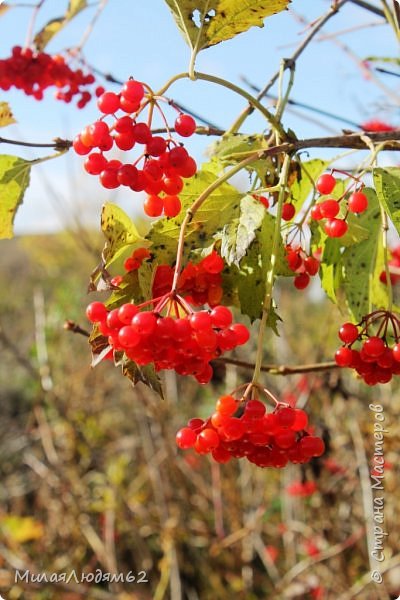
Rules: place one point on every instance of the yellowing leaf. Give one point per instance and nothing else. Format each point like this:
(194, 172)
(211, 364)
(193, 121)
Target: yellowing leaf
(119, 231)
(6, 116)
(204, 23)
(4, 8)
(14, 179)
(235, 16)
(20, 529)
(43, 37)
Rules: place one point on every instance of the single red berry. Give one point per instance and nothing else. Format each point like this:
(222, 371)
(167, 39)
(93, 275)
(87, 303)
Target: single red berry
(335, 228)
(221, 317)
(142, 133)
(200, 320)
(300, 420)
(254, 409)
(357, 203)
(241, 332)
(133, 91)
(226, 405)
(325, 183)
(186, 438)
(348, 333)
(311, 265)
(185, 125)
(108, 103)
(153, 206)
(344, 357)
(396, 352)
(316, 212)
(288, 211)
(285, 416)
(329, 208)
(374, 346)
(96, 311)
(301, 281)
(172, 206)
(145, 322)
(128, 336)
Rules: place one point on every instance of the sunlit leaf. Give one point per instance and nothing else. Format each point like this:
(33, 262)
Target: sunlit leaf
(204, 23)
(119, 231)
(6, 116)
(20, 529)
(359, 263)
(387, 185)
(238, 234)
(14, 179)
(302, 187)
(43, 37)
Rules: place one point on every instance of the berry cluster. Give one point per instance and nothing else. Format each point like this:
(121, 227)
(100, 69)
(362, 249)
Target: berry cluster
(302, 264)
(329, 209)
(162, 163)
(134, 262)
(34, 72)
(146, 335)
(376, 361)
(376, 125)
(199, 283)
(243, 428)
(394, 267)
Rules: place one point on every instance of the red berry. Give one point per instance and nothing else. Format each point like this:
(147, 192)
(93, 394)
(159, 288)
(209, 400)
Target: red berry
(213, 263)
(344, 357)
(185, 125)
(374, 346)
(186, 438)
(172, 206)
(311, 265)
(96, 311)
(288, 211)
(200, 320)
(241, 332)
(145, 322)
(221, 317)
(348, 333)
(335, 228)
(329, 208)
(226, 405)
(108, 103)
(133, 91)
(301, 281)
(325, 183)
(153, 206)
(316, 212)
(396, 352)
(357, 202)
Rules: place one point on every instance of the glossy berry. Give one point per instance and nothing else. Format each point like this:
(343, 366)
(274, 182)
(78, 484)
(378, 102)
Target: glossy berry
(357, 202)
(335, 228)
(325, 184)
(288, 211)
(186, 438)
(185, 125)
(329, 208)
(348, 333)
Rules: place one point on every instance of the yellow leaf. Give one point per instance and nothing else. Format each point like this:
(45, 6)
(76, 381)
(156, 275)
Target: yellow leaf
(43, 37)
(14, 179)
(20, 529)
(4, 8)
(6, 116)
(119, 231)
(204, 23)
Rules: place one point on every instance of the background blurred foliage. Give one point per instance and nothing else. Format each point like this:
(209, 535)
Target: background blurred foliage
(92, 478)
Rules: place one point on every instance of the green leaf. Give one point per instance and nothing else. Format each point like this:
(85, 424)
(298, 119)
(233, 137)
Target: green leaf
(6, 116)
(238, 234)
(43, 37)
(303, 185)
(232, 148)
(387, 185)
(219, 208)
(119, 231)
(204, 23)
(254, 267)
(359, 262)
(14, 179)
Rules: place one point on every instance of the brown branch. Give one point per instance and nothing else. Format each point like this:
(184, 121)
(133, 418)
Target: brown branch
(280, 369)
(75, 328)
(58, 144)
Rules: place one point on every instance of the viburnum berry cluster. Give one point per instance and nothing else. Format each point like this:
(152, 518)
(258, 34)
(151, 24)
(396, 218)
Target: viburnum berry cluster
(243, 428)
(334, 211)
(145, 336)
(34, 72)
(304, 265)
(162, 162)
(377, 355)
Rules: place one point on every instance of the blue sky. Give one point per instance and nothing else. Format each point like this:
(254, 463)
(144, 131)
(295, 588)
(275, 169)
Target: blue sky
(140, 39)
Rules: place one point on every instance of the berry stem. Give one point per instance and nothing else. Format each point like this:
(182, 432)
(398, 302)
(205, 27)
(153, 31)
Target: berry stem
(29, 34)
(253, 102)
(271, 272)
